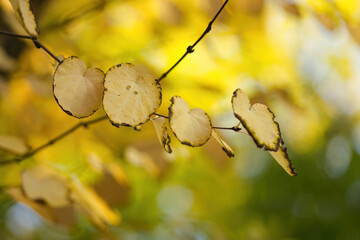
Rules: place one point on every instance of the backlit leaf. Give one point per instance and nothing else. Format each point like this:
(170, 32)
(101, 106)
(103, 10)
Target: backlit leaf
(282, 157)
(26, 15)
(78, 90)
(258, 120)
(192, 127)
(131, 95)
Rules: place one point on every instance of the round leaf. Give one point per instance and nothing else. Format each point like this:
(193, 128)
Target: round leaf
(26, 15)
(41, 183)
(192, 127)
(131, 95)
(258, 120)
(78, 90)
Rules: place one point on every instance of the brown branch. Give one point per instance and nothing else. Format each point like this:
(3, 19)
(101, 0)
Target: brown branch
(190, 49)
(53, 140)
(35, 40)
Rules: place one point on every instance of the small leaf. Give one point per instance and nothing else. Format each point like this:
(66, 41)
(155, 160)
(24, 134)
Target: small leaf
(131, 95)
(78, 90)
(42, 183)
(13, 145)
(282, 157)
(161, 131)
(26, 16)
(225, 147)
(258, 120)
(192, 127)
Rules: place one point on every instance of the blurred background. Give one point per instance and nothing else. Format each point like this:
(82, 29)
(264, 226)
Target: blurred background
(300, 57)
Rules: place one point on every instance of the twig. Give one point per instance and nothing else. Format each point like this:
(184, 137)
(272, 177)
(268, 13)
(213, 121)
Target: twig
(161, 115)
(35, 40)
(234, 128)
(190, 49)
(53, 140)
(15, 35)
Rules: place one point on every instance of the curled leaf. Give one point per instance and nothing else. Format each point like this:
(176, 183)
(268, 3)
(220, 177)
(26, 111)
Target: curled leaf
(192, 127)
(78, 90)
(131, 95)
(26, 16)
(225, 147)
(161, 131)
(258, 120)
(282, 157)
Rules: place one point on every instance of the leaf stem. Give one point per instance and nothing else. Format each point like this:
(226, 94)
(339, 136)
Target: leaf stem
(190, 49)
(52, 141)
(35, 40)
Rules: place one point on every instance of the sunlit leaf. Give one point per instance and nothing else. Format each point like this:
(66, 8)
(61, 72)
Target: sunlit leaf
(192, 127)
(42, 183)
(131, 95)
(78, 90)
(161, 131)
(282, 157)
(258, 120)
(26, 15)
(225, 147)
(13, 145)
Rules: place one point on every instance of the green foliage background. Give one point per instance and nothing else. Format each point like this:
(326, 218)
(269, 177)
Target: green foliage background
(304, 70)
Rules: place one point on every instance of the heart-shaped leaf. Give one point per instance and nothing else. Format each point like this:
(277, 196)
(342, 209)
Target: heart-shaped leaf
(225, 147)
(26, 16)
(282, 157)
(258, 120)
(131, 95)
(78, 90)
(192, 127)
(161, 131)
(41, 183)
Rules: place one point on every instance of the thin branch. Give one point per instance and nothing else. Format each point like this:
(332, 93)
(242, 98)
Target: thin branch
(38, 44)
(190, 49)
(161, 115)
(15, 35)
(52, 141)
(35, 40)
